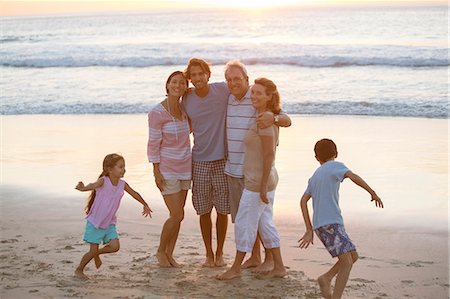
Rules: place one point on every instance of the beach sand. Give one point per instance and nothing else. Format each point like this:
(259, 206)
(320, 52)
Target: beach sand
(403, 248)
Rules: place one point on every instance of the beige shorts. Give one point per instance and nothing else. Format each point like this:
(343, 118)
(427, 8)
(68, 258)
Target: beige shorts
(235, 188)
(175, 186)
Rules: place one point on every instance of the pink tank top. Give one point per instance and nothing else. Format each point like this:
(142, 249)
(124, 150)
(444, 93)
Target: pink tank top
(106, 204)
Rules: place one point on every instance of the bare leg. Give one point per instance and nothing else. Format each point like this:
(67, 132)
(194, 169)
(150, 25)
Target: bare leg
(235, 270)
(278, 269)
(87, 257)
(206, 228)
(325, 279)
(346, 261)
(267, 265)
(221, 230)
(255, 259)
(175, 203)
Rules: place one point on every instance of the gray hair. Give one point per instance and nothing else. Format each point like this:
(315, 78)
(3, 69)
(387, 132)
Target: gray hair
(238, 64)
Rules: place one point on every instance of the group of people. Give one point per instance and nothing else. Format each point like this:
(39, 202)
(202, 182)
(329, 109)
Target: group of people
(232, 169)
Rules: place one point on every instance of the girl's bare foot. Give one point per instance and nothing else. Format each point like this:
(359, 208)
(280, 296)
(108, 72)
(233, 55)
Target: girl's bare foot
(227, 275)
(219, 261)
(325, 286)
(252, 262)
(98, 261)
(80, 275)
(264, 267)
(162, 260)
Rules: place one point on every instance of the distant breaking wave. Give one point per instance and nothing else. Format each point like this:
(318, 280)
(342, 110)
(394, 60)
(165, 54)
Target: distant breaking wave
(301, 61)
(438, 109)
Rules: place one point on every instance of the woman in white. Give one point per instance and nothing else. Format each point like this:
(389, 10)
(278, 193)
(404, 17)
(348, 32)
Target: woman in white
(255, 211)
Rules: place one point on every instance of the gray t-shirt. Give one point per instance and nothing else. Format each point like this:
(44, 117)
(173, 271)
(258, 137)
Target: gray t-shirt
(323, 187)
(207, 116)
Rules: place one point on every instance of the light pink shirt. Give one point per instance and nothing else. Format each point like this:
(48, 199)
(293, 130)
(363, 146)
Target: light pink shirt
(106, 203)
(169, 144)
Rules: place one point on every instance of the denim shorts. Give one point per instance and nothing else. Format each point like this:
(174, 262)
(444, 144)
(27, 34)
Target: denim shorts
(335, 239)
(98, 235)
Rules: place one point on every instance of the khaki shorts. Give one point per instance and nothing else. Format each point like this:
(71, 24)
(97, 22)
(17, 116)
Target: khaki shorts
(175, 186)
(235, 188)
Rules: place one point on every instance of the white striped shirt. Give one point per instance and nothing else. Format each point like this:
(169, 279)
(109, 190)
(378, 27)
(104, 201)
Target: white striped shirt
(240, 116)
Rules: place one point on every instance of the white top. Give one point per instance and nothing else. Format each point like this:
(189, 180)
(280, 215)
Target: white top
(240, 116)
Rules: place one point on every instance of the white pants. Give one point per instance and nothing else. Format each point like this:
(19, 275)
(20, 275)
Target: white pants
(253, 216)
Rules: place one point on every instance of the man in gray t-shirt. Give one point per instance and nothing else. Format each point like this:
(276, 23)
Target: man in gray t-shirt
(206, 107)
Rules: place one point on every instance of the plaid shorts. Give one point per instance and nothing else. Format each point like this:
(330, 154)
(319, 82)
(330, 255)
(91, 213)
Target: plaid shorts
(210, 187)
(335, 239)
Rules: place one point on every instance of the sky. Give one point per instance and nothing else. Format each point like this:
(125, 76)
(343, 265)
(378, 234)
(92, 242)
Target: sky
(18, 8)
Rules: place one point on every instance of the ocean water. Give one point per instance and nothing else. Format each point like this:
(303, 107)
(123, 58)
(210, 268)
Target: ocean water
(346, 61)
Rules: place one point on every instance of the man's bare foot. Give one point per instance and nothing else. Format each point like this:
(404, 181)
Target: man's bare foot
(162, 260)
(227, 275)
(173, 262)
(80, 275)
(209, 262)
(275, 273)
(264, 267)
(219, 261)
(325, 286)
(252, 262)
(98, 261)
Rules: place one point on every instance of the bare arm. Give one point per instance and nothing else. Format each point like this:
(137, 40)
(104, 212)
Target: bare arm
(147, 211)
(266, 119)
(308, 237)
(360, 182)
(159, 178)
(91, 186)
(268, 158)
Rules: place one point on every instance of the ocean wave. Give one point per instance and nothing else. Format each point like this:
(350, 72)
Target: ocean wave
(424, 109)
(300, 61)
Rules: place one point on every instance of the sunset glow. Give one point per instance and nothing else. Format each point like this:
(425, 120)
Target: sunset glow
(17, 8)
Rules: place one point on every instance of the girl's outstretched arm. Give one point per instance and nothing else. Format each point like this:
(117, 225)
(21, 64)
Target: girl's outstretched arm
(92, 186)
(147, 211)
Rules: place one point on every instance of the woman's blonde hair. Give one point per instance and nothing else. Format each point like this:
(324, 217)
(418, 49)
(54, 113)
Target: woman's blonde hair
(274, 104)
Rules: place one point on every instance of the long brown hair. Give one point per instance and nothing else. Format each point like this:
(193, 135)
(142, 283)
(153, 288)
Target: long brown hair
(108, 162)
(274, 104)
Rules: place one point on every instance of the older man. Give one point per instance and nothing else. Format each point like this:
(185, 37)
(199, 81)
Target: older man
(240, 116)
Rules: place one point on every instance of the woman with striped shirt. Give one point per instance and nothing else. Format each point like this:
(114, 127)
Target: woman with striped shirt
(169, 150)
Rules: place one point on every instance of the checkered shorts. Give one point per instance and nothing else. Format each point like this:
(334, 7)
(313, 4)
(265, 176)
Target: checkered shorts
(210, 187)
(335, 239)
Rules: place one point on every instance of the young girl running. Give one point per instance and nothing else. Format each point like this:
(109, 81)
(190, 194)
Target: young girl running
(101, 210)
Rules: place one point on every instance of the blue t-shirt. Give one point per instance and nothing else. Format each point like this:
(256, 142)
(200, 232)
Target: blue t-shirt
(207, 116)
(323, 187)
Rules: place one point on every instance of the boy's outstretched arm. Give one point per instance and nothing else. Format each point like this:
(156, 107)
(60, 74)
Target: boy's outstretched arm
(147, 211)
(360, 182)
(308, 237)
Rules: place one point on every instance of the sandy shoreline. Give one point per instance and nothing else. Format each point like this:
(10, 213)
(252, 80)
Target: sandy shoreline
(404, 250)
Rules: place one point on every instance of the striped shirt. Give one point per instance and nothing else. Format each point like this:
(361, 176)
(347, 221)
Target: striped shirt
(240, 116)
(169, 144)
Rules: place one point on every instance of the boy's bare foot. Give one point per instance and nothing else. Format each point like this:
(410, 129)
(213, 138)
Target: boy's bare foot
(80, 275)
(264, 267)
(209, 262)
(162, 260)
(98, 261)
(227, 275)
(252, 262)
(325, 286)
(173, 262)
(219, 261)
